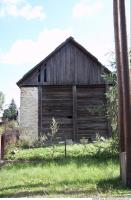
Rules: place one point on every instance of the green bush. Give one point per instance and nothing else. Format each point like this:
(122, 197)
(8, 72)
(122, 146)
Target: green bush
(2, 128)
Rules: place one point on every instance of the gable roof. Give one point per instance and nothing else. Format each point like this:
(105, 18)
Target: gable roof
(70, 39)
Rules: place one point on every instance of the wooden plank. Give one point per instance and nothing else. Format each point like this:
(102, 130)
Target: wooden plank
(74, 112)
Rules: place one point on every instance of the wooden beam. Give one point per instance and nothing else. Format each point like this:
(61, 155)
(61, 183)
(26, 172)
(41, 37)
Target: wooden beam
(39, 110)
(74, 112)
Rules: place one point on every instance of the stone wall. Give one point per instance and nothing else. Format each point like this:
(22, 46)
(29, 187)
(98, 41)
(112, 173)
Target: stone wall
(29, 114)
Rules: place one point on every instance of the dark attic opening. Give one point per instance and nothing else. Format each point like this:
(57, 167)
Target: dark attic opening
(45, 74)
(39, 76)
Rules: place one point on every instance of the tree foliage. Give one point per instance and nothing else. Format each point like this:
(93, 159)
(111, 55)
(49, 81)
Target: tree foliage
(112, 102)
(2, 98)
(112, 95)
(11, 112)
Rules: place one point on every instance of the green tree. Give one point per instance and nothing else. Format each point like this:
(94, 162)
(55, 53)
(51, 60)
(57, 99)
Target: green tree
(13, 109)
(112, 102)
(2, 98)
(112, 95)
(11, 112)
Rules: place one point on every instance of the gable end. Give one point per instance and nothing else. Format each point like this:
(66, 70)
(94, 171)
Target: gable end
(70, 63)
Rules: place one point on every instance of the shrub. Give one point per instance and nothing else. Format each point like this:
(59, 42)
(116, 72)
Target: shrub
(2, 128)
(41, 141)
(24, 144)
(49, 137)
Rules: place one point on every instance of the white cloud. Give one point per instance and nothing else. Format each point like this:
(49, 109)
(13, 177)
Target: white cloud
(86, 8)
(31, 52)
(101, 49)
(21, 8)
(12, 92)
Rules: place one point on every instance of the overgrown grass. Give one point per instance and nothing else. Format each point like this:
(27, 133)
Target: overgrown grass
(87, 171)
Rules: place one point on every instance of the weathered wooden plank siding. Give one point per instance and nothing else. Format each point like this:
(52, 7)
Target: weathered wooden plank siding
(73, 108)
(91, 104)
(68, 66)
(57, 103)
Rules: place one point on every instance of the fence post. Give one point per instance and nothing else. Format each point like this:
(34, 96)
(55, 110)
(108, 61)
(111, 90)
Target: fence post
(2, 146)
(65, 145)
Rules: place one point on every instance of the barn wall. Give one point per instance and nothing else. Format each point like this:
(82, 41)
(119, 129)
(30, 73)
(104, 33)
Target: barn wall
(79, 110)
(29, 114)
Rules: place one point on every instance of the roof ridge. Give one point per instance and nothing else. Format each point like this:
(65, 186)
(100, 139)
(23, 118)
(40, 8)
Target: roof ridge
(69, 39)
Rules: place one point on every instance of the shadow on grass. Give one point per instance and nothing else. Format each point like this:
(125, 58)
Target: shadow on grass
(111, 184)
(43, 193)
(41, 189)
(26, 186)
(79, 160)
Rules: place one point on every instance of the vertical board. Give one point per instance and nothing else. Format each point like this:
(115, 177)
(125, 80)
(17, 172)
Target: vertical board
(39, 110)
(74, 113)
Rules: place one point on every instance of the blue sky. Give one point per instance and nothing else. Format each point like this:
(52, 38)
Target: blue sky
(31, 29)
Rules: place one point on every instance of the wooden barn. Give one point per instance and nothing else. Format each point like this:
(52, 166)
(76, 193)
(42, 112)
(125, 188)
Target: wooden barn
(68, 86)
